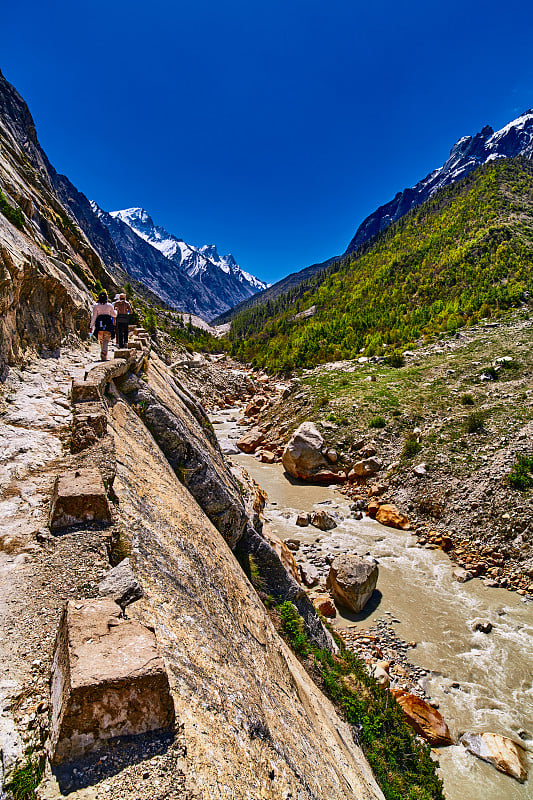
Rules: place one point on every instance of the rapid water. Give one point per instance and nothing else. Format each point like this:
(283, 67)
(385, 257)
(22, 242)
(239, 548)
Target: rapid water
(482, 682)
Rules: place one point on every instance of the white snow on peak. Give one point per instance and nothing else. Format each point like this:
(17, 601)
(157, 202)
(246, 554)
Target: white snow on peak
(523, 121)
(195, 261)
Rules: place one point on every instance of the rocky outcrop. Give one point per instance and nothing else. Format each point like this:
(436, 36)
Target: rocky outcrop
(423, 718)
(108, 680)
(46, 262)
(188, 442)
(351, 581)
(503, 753)
(303, 457)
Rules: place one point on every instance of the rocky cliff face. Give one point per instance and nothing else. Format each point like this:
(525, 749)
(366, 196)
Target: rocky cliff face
(46, 262)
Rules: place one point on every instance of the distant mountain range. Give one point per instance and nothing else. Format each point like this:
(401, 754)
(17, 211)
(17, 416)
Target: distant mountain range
(191, 279)
(470, 152)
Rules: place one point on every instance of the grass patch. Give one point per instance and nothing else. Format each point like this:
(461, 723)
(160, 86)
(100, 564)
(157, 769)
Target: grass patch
(14, 215)
(26, 778)
(475, 422)
(467, 399)
(377, 422)
(403, 767)
(411, 447)
(521, 475)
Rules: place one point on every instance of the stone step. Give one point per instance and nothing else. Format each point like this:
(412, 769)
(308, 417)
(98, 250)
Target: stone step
(79, 497)
(89, 423)
(108, 680)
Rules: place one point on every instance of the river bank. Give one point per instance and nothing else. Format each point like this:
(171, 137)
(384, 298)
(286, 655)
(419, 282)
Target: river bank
(481, 682)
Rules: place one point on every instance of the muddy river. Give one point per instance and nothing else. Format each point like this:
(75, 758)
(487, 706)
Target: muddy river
(482, 682)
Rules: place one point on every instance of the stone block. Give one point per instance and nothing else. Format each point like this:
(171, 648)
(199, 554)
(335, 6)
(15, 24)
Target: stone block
(124, 353)
(135, 345)
(79, 496)
(92, 415)
(108, 680)
(83, 391)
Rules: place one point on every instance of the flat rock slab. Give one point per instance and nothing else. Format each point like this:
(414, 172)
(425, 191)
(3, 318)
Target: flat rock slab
(124, 353)
(79, 496)
(503, 753)
(108, 680)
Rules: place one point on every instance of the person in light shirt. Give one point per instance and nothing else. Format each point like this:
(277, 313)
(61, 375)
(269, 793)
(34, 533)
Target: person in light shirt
(102, 323)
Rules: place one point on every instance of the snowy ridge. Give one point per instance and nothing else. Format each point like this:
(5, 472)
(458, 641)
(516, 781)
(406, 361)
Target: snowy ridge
(195, 261)
(470, 152)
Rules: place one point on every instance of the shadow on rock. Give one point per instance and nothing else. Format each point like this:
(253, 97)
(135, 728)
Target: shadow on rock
(121, 752)
(369, 609)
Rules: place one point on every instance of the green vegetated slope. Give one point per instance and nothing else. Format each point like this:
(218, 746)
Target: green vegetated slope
(465, 254)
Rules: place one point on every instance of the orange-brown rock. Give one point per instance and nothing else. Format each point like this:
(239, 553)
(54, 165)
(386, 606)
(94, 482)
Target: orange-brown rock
(267, 456)
(251, 440)
(423, 718)
(325, 606)
(387, 514)
(372, 508)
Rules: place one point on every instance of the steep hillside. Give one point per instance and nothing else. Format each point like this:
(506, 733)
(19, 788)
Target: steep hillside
(47, 264)
(513, 140)
(464, 254)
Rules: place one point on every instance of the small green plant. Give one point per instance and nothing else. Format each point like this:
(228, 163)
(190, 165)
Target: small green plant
(378, 422)
(402, 765)
(14, 215)
(411, 446)
(150, 321)
(293, 626)
(521, 475)
(26, 778)
(323, 400)
(467, 399)
(475, 422)
(45, 248)
(395, 359)
(119, 550)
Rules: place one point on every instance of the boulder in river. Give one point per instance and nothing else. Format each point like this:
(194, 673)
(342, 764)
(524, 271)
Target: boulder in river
(323, 520)
(303, 519)
(310, 574)
(423, 718)
(503, 753)
(303, 457)
(251, 440)
(388, 515)
(351, 581)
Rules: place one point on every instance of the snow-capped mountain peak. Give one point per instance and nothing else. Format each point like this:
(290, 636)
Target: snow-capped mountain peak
(514, 139)
(220, 275)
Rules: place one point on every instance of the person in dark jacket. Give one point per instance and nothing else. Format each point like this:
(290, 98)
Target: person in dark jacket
(102, 323)
(123, 309)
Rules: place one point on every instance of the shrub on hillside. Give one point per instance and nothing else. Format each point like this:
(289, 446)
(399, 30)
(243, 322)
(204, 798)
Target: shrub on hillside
(521, 475)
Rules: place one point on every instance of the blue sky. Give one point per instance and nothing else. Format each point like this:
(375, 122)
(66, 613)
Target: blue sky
(271, 129)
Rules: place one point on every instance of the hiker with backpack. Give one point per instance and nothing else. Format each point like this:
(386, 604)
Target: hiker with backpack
(102, 323)
(123, 309)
